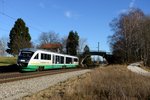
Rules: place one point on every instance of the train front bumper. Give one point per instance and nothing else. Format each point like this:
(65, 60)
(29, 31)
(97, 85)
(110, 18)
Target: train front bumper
(23, 69)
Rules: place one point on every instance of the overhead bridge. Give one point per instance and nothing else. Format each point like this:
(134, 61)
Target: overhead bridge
(107, 55)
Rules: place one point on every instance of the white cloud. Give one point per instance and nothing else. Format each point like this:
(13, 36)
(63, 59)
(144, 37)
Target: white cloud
(132, 3)
(68, 14)
(42, 5)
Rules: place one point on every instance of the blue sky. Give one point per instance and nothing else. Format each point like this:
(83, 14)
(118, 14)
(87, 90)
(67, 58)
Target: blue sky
(90, 18)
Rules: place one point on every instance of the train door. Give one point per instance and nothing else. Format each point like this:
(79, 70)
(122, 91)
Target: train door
(35, 60)
(53, 62)
(56, 61)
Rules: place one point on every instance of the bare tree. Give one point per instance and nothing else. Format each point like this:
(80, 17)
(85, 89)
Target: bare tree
(3, 44)
(49, 37)
(131, 40)
(126, 40)
(82, 44)
(64, 42)
(145, 40)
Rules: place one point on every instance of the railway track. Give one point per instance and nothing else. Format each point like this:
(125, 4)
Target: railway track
(9, 77)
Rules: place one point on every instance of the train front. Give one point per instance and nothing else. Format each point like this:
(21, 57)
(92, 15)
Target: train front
(24, 58)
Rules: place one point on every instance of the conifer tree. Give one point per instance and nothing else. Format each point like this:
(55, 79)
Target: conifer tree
(19, 37)
(88, 60)
(72, 43)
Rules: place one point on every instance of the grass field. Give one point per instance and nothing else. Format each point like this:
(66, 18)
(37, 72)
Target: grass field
(5, 61)
(114, 82)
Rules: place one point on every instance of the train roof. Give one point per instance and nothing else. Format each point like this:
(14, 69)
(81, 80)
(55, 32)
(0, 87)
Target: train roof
(29, 49)
(34, 50)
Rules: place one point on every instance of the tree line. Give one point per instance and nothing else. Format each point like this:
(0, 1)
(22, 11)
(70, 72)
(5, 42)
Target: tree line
(19, 38)
(131, 39)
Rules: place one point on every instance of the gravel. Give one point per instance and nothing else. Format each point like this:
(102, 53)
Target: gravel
(18, 89)
(135, 68)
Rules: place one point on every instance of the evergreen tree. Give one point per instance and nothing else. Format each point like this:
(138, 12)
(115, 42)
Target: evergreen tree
(72, 43)
(88, 60)
(86, 50)
(19, 37)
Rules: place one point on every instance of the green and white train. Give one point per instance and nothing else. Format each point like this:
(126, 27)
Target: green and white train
(36, 60)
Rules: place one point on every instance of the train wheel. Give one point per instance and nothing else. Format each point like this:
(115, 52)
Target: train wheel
(64, 67)
(40, 68)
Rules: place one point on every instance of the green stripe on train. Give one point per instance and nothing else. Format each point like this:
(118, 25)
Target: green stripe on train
(35, 67)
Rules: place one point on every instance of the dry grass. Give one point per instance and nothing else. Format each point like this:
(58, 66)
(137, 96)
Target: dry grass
(109, 83)
(145, 68)
(4, 61)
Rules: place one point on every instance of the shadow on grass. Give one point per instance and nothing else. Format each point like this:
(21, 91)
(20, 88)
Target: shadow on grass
(9, 68)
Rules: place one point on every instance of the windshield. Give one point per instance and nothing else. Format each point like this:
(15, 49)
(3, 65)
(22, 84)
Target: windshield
(25, 55)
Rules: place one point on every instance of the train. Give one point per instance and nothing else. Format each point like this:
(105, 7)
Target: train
(30, 59)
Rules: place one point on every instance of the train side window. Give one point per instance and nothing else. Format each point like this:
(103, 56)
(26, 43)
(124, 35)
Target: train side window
(45, 56)
(62, 60)
(57, 60)
(42, 56)
(37, 56)
(68, 60)
(53, 59)
(48, 57)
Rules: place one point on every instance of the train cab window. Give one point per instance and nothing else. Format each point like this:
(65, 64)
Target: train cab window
(37, 56)
(25, 55)
(68, 60)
